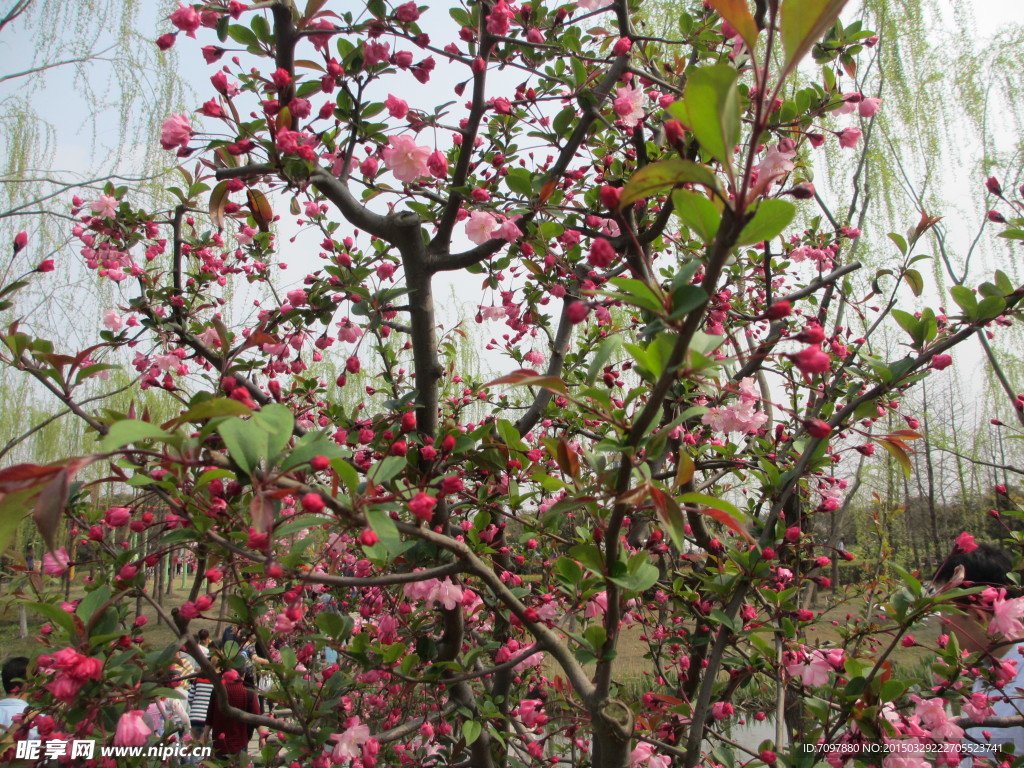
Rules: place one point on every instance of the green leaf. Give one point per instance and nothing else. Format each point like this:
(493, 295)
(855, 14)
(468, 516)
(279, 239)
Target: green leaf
(1012, 234)
(698, 213)
(663, 175)
(387, 469)
(711, 107)
(382, 524)
(721, 510)
(772, 217)
(57, 615)
(638, 293)
(347, 473)
(211, 409)
(278, 421)
(14, 508)
(914, 280)
(130, 431)
(1003, 282)
(802, 23)
(334, 624)
(92, 601)
(246, 443)
(242, 35)
(520, 180)
(309, 445)
(685, 299)
(641, 576)
(471, 731)
(908, 323)
(965, 299)
(900, 242)
(604, 352)
(991, 308)
(510, 436)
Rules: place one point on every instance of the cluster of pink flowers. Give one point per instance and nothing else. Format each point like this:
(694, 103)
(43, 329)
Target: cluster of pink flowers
(71, 671)
(740, 417)
(433, 591)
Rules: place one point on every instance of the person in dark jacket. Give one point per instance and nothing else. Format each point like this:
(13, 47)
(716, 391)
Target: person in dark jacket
(230, 734)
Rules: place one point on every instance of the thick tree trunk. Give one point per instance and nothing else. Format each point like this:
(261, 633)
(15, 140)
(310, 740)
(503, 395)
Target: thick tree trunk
(613, 730)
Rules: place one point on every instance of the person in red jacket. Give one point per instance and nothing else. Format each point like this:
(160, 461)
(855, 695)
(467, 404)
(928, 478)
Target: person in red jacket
(230, 734)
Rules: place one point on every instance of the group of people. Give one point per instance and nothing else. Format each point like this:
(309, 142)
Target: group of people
(208, 715)
(192, 709)
(196, 710)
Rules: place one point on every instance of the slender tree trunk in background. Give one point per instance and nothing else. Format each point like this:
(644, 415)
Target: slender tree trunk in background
(930, 473)
(22, 621)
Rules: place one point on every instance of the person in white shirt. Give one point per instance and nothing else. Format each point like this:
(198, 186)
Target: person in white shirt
(987, 566)
(14, 673)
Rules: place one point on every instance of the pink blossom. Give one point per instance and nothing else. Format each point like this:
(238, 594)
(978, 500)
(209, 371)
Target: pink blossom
(811, 359)
(186, 19)
(932, 715)
(349, 331)
(977, 707)
(1007, 614)
(132, 730)
(348, 744)
(776, 163)
(407, 13)
(175, 132)
(397, 108)
(816, 667)
(374, 53)
(644, 752)
(869, 106)
(56, 563)
(112, 321)
(848, 104)
(597, 606)
(480, 227)
(628, 104)
(848, 137)
(422, 506)
(437, 164)
(593, 5)
(406, 159)
(499, 20)
(740, 417)
(939, 362)
(602, 253)
(105, 206)
(721, 710)
(446, 593)
(508, 230)
(530, 713)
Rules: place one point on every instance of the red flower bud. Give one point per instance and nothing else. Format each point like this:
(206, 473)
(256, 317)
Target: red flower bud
(610, 197)
(20, 241)
(368, 538)
(312, 503)
(779, 310)
(818, 428)
(577, 312)
(993, 186)
(996, 217)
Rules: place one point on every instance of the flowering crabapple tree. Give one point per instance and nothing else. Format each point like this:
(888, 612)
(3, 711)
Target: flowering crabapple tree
(442, 570)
